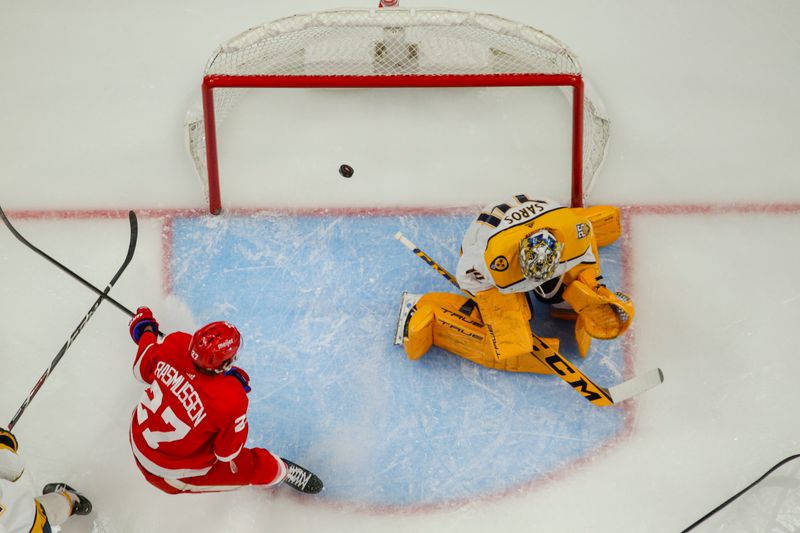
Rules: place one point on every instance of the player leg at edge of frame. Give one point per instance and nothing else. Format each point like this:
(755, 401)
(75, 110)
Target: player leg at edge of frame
(256, 467)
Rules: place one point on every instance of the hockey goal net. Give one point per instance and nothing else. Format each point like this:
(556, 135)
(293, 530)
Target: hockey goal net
(395, 48)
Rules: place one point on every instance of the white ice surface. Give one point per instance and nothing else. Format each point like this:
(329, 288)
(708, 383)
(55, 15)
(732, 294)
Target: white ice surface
(702, 99)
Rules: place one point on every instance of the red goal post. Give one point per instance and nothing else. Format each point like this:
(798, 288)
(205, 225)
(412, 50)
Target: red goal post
(395, 48)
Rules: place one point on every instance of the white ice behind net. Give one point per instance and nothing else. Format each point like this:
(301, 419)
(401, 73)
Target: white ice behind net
(396, 42)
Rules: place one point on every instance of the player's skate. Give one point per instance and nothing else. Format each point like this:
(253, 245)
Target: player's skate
(408, 302)
(80, 506)
(301, 479)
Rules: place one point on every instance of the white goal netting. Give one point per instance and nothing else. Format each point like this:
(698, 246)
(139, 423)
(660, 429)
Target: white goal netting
(393, 48)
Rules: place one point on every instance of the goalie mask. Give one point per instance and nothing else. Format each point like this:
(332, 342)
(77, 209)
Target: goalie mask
(539, 255)
(214, 346)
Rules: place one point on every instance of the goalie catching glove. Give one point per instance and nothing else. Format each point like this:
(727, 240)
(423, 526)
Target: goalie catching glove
(602, 314)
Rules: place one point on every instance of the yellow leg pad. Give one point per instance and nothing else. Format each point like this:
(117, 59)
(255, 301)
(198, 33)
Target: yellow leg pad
(420, 333)
(507, 318)
(438, 319)
(457, 332)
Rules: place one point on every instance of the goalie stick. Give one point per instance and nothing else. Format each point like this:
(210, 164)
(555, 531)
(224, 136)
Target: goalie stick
(63, 267)
(104, 295)
(555, 361)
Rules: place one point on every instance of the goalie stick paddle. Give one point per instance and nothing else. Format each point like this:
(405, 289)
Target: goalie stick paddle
(103, 295)
(63, 267)
(555, 361)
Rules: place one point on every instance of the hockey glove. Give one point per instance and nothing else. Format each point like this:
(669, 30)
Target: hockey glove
(601, 313)
(8, 440)
(240, 375)
(140, 321)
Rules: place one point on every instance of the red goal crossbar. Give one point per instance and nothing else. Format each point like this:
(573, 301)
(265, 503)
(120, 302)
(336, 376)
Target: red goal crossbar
(211, 82)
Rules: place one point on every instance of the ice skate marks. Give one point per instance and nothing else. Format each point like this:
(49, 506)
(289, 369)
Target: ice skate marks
(316, 299)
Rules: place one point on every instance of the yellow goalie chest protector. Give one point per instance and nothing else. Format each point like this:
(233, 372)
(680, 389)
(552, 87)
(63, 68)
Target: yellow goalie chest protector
(502, 248)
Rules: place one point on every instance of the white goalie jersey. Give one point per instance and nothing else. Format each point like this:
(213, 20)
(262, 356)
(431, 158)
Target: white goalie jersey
(490, 249)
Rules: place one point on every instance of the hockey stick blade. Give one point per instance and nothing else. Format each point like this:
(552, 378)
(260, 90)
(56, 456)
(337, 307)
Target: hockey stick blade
(131, 248)
(60, 265)
(636, 385)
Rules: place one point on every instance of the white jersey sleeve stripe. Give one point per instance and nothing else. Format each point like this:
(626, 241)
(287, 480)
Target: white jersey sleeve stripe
(137, 371)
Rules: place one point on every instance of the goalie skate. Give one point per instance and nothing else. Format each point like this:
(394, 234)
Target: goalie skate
(301, 479)
(406, 305)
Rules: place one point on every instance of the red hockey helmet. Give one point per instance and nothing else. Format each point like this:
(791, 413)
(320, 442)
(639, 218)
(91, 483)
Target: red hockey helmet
(214, 346)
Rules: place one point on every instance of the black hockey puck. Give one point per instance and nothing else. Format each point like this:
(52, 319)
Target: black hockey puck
(346, 171)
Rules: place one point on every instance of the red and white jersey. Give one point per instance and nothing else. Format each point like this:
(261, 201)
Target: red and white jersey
(186, 420)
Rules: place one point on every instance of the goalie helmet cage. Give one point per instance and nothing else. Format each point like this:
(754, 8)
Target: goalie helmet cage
(395, 48)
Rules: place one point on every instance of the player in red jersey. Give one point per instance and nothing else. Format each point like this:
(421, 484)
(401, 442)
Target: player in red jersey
(189, 430)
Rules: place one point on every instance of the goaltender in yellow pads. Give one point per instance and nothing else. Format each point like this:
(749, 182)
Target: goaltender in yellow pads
(525, 244)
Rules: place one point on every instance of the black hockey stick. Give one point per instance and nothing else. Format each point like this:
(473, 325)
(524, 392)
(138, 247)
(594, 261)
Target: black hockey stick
(59, 264)
(103, 295)
(748, 487)
(63, 267)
